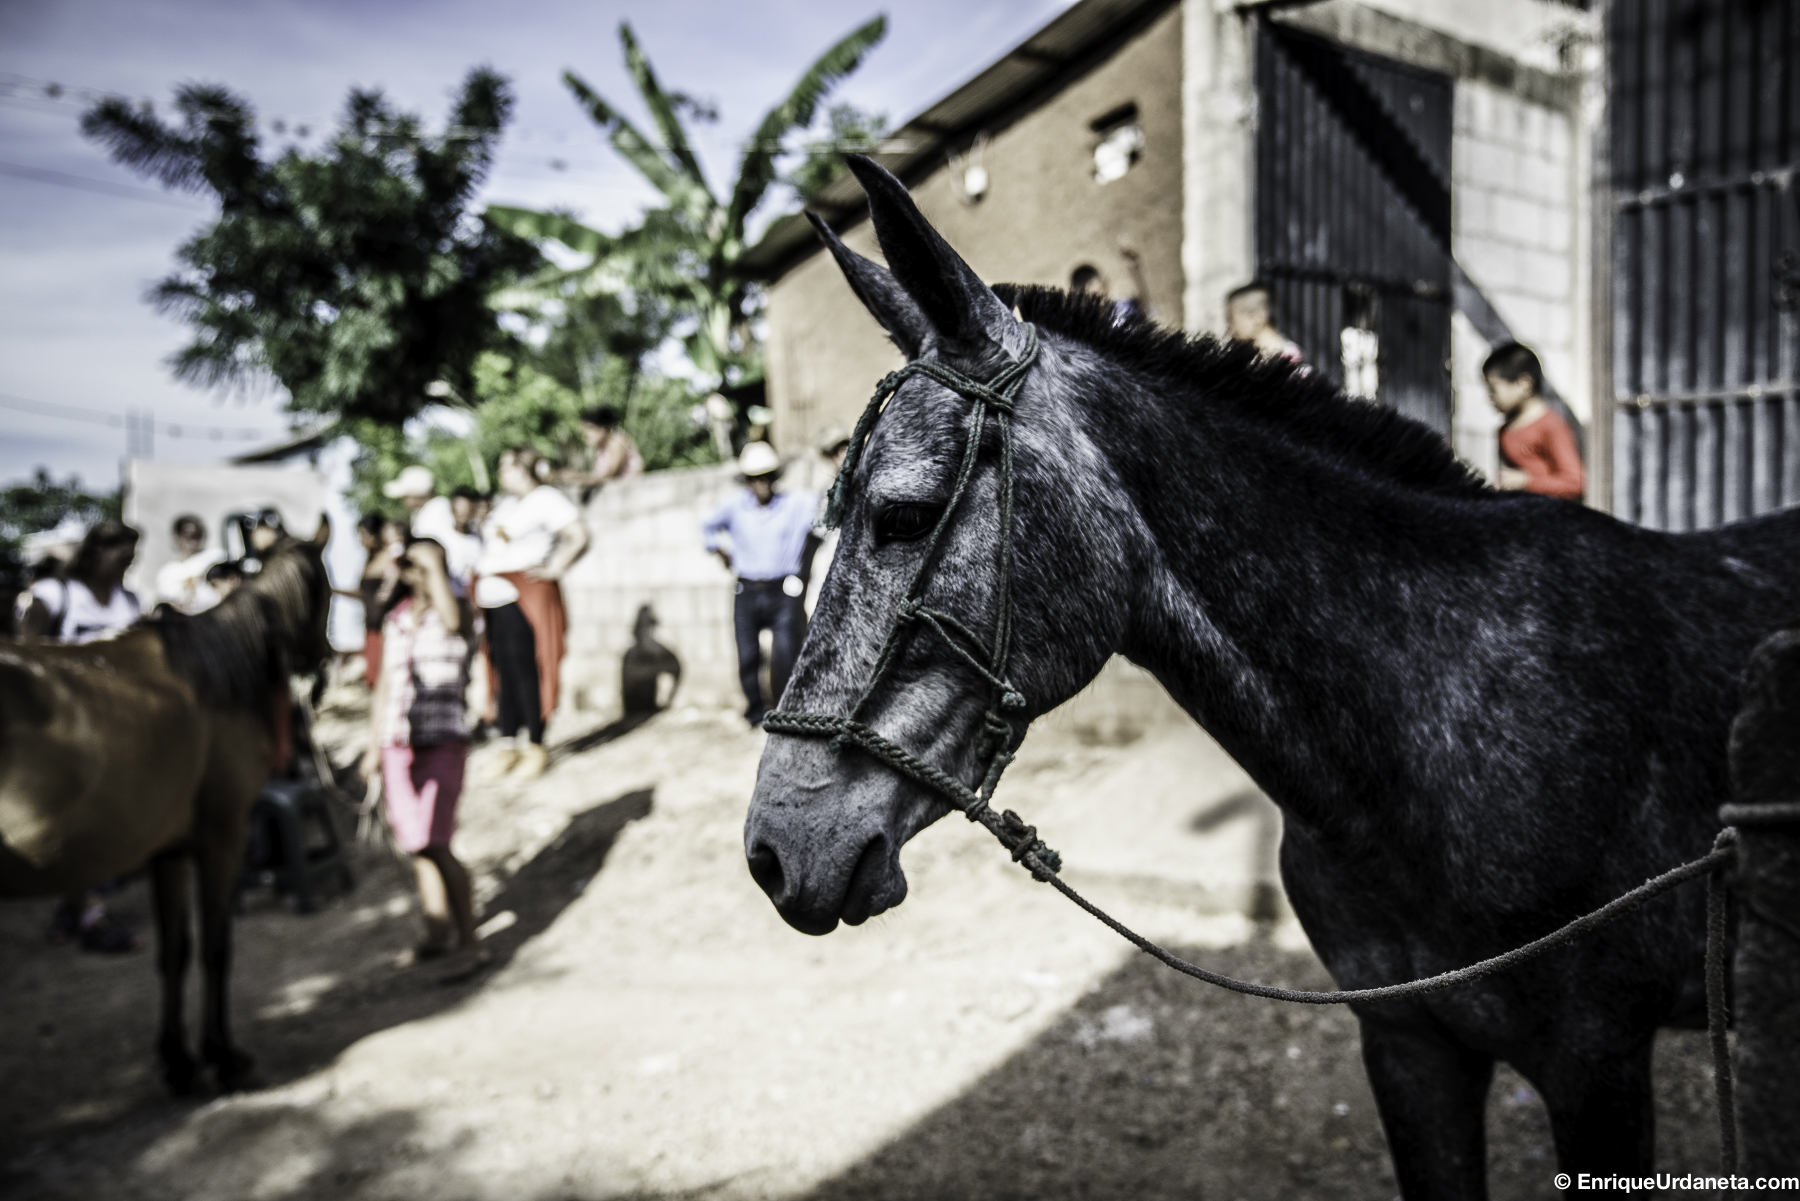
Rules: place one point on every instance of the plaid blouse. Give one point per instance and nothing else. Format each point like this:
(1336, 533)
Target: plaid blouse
(427, 670)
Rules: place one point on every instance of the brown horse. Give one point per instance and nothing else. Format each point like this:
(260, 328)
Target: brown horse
(151, 747)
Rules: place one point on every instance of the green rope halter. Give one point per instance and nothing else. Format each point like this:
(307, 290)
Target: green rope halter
(993, 399)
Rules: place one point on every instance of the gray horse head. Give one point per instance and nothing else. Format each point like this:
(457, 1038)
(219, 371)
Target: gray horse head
(826, 823)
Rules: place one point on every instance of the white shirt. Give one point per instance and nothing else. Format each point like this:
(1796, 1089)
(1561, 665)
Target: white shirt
(78, 616)
(183, 582)
(461, 551)
(520, 534)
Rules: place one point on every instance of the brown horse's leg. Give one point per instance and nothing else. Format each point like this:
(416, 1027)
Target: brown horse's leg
(169, 885)
(219, 855)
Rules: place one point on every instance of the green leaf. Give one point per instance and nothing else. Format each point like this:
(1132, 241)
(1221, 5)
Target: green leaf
(662, 110)
(796, 112)
(692, 199)
(534, 225)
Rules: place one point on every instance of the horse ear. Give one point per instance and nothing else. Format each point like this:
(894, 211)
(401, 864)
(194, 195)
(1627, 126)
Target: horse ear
(963, 310)
(323, 534)
(880, 293)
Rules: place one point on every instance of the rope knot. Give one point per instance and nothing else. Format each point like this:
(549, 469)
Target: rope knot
(1026, 847)
(908, 610)
(1012, 700)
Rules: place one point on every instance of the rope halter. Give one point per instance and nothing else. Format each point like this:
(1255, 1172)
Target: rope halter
(991, 399)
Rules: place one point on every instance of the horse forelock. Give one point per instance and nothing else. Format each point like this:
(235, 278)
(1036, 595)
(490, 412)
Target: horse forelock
(1287, 399)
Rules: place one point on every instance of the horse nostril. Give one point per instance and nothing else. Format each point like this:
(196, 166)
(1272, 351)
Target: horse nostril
(765, 869)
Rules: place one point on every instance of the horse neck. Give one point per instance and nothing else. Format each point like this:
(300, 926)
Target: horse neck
(1292, 600)
(266, 610)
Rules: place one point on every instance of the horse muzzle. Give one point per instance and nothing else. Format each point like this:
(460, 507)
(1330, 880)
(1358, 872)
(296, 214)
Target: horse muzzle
(821, 861)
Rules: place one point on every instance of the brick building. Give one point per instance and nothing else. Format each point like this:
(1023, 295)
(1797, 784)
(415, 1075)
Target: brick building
(1348, 153)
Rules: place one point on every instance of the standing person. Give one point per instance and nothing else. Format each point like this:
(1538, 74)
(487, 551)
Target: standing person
(182, 583)
(434, 517)
(607, 453)
(1087, 280)
(89, 603)
(1249, 317)
(45, 583)
(381, 540)
(419, 742)
(769, 531)
(530, 539)
(1538, 452)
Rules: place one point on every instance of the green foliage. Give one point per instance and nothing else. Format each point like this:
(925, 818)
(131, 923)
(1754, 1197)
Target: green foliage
(354, 276)
(849, 130)
(518, 404)
(381, 452)
(685, 252)
(40, 504)
(657, 416)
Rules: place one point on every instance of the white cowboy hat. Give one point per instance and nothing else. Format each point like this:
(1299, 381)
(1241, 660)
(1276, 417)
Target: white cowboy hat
(414, 481)
(758, 458)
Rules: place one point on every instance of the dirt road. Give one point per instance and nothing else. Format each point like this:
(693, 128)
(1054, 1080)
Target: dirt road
(651, 1028)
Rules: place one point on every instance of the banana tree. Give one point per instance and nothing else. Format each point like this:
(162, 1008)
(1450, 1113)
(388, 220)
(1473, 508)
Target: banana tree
(687, 250)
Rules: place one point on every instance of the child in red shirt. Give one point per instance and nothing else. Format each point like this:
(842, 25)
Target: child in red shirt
(1538, 452)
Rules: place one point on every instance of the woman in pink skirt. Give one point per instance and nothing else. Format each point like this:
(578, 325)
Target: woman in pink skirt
(419, 741)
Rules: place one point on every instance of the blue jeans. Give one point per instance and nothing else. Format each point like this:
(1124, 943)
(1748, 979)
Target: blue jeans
(762, 605)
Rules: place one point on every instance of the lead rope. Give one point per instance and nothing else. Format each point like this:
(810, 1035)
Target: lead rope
(996, 397)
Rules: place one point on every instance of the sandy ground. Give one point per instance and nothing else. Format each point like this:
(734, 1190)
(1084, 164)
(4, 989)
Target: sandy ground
(651, 1028)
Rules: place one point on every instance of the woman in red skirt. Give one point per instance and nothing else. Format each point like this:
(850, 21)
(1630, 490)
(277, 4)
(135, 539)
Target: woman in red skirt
(419, 741)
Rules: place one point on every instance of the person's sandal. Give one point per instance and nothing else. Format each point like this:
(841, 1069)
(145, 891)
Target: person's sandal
(106, 935)
(495, 765)
(533, 758)
(468, 962)
(425, 952)
(65, 924)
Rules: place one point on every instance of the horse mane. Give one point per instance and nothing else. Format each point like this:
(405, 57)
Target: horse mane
(237, 654)
(1296, 402)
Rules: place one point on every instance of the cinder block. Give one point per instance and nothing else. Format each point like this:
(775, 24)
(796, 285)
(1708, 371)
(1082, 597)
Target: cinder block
(1517, 219)
(1470, 210)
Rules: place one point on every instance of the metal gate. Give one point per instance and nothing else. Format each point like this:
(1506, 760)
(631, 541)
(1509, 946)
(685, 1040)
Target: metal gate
(1352, 225)
(1704, 99)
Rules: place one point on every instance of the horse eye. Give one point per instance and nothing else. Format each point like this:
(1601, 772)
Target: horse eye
(903, 523)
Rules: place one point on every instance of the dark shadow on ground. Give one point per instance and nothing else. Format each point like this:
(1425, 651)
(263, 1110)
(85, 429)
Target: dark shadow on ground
(593, 738)
(76, 1043)
(1155, 1086)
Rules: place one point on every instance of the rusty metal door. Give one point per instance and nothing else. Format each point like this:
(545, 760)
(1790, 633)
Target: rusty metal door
(1704, 99)
(1352, 221)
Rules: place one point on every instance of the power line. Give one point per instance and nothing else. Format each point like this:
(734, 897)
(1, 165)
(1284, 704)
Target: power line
(167, 429)
(14, 86)
(82, 183)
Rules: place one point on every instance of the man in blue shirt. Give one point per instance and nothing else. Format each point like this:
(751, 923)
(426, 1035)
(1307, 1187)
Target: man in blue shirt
(769, 533)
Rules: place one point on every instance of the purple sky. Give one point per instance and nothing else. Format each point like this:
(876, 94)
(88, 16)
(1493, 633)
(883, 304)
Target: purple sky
(81, 239)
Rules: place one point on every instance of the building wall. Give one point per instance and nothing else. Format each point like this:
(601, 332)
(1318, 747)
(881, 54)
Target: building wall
(1219, 161)
(1520, 166)
(646, 550)
(1043, 216)
(1515, 216)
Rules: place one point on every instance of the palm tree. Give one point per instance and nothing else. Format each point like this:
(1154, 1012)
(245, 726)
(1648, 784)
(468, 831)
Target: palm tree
(687, 250)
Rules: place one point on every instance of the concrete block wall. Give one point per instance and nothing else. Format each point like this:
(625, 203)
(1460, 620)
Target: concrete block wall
(646, 550)
(1514, 199)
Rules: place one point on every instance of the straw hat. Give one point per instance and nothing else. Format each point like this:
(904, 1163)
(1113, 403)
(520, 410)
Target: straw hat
(414, 481)
(758, 458)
